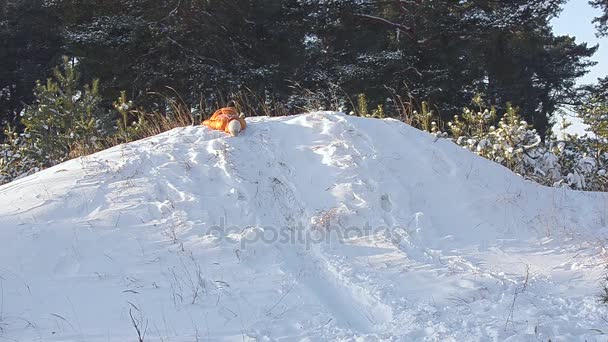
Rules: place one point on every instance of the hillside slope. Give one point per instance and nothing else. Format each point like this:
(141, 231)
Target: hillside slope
(316, 226)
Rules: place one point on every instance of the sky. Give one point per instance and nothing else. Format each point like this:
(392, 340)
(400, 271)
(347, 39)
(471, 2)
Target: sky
(575, 20)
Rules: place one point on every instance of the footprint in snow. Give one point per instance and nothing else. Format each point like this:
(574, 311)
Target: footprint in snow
(385, 203)
(67, 265)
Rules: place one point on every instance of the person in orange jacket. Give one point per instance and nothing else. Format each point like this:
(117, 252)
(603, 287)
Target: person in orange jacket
(226, 119)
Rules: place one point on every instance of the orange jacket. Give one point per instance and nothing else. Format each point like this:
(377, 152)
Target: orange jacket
(222, 117)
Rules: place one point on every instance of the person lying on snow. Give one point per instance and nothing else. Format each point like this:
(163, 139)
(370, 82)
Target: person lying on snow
(226, 119)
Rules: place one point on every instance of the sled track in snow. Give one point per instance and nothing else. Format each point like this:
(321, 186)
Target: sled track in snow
(351, 310)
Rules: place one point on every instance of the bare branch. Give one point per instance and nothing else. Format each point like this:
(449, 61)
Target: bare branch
(384, 21)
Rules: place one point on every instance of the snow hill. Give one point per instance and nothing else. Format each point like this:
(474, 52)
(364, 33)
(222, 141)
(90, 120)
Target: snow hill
(319, 226)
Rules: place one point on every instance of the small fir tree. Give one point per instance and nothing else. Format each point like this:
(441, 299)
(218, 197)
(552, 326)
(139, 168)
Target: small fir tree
(65, 121)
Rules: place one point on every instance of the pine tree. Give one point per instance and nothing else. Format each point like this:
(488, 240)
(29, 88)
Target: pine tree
(601, 22)
(443, 52)
(30, 45)
(64, 121)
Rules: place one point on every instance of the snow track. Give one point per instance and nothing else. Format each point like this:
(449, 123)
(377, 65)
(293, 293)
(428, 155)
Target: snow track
(319, 226)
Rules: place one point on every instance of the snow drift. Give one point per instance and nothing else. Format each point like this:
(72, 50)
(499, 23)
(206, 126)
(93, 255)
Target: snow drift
(318, 226)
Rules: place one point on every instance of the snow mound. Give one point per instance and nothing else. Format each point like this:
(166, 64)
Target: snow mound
(318, 226)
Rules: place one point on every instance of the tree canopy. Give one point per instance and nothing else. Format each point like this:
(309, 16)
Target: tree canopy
(443, 52)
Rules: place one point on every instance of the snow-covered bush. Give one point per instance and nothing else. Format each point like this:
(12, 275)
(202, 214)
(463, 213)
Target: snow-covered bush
(585, 158)
(511, 143)
(577, 162)
(583, 163)
(15, 160)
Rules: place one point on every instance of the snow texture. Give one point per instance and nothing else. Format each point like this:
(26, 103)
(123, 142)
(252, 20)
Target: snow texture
(318, 226)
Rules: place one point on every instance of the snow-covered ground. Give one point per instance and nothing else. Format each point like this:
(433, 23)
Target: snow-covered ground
(318, 226)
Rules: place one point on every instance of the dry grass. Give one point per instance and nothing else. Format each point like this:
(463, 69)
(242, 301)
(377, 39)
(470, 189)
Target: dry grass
(178, 115)
(148, 124)
(81, 149)
(247, 101)
(418, 114)
(250, 103)
(405, 105)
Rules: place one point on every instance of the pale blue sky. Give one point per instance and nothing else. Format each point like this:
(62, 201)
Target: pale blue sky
(575, 20)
